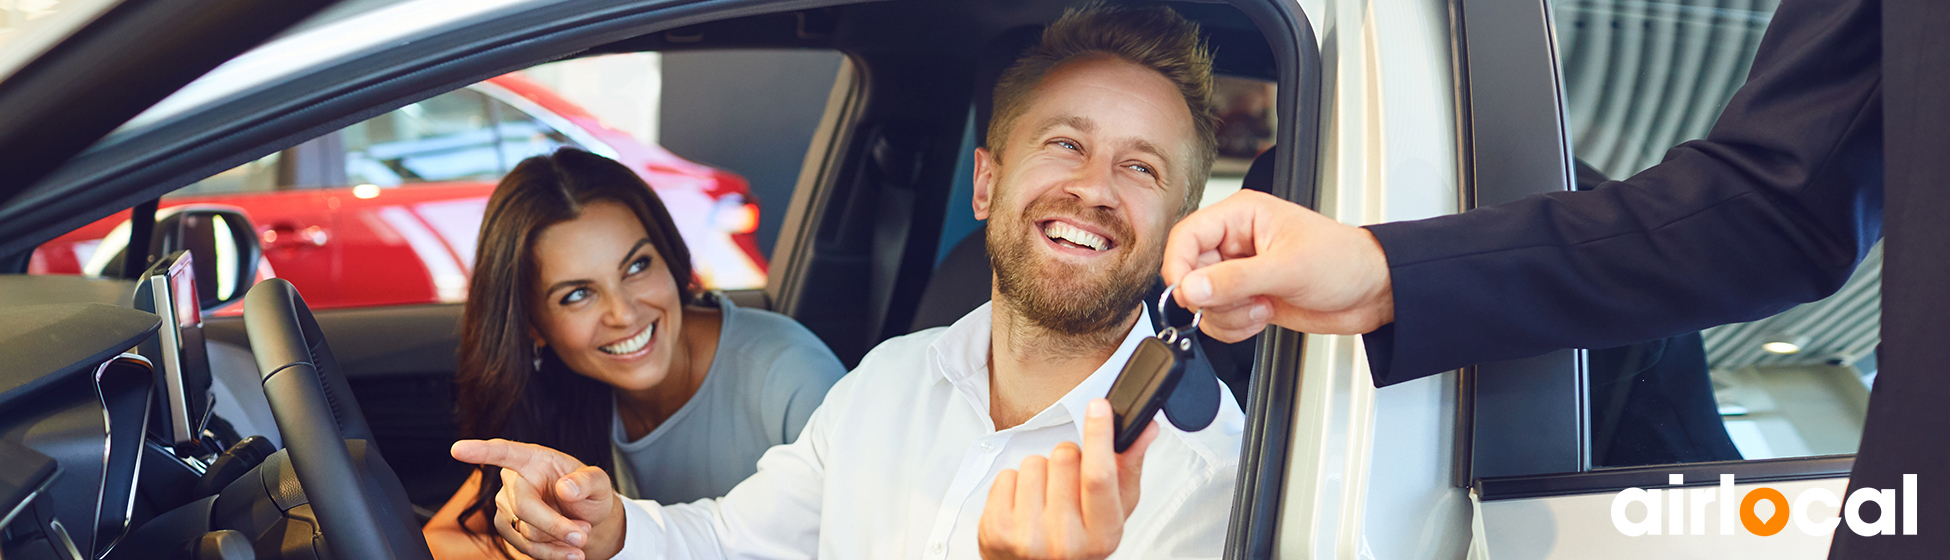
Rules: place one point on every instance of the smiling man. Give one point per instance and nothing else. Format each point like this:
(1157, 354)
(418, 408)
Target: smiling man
(963, 441)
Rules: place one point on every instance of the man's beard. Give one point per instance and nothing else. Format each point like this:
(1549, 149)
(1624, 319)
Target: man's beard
(1061, 297)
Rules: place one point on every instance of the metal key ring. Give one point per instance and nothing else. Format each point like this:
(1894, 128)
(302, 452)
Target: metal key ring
(1166, 298)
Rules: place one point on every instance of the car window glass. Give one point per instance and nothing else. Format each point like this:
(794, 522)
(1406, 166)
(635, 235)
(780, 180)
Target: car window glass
(751, 113)
(521, 136)
(1642, 76)
(444, 138)
(388, 211)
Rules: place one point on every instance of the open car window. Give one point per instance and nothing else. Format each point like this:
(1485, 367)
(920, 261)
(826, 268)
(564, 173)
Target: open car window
(387, 211)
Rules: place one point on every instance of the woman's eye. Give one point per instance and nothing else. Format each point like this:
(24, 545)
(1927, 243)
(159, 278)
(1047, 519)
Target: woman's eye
(575, 295)
(639, 265)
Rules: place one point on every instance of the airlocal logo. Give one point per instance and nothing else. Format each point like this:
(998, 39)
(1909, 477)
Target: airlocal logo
(1685, 510)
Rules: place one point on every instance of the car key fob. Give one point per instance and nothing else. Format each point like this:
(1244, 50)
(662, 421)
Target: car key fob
(1147, 380)
(1144, 386)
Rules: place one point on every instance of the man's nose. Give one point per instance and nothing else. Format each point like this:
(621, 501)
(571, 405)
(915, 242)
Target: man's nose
(1092, 185)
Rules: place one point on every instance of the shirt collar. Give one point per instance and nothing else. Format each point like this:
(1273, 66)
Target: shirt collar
(961, 358)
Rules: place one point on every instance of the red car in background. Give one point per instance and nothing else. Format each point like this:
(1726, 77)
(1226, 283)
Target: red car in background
(388, 211)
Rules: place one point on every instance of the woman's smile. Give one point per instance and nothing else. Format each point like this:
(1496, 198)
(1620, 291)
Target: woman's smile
(633, 346)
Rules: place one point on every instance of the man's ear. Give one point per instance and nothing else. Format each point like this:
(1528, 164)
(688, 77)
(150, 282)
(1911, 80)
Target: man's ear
(984, 182)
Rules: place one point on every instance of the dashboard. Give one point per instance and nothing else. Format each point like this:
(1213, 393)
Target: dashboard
(103, 407)
(71, 396)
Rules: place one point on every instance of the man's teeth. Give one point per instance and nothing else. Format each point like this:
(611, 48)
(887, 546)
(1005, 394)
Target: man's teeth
(1059, 231)
(634, 344)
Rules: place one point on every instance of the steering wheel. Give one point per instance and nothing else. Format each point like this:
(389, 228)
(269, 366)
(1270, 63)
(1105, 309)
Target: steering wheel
(357, 498)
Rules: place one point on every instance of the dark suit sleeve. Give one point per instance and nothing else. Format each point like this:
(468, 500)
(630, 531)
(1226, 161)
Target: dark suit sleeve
(1773, 208)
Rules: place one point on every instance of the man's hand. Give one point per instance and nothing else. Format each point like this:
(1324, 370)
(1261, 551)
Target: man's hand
(1252, 259)
(551, 506)
(1071, 505)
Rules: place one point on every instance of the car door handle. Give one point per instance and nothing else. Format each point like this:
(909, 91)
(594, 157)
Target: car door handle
(288, 236)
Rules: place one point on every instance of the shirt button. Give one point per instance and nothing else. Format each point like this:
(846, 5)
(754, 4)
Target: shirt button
(935, 549)
(987, 447)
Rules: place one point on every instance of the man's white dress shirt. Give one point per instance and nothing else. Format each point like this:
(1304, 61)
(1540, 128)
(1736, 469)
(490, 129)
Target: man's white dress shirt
(897, 463)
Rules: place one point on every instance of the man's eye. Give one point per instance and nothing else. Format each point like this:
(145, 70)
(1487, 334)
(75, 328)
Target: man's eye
(575, 295)
(1067, 145)
(1142, 168)
(639, 265)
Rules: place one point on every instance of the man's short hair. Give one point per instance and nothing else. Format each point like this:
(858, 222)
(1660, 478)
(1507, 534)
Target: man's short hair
(1156, 38)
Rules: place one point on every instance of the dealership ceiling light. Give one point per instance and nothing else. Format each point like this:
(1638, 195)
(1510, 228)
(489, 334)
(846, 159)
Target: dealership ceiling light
(1784, 344)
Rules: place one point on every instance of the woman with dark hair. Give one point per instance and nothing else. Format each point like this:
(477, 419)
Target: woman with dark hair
(584, 332)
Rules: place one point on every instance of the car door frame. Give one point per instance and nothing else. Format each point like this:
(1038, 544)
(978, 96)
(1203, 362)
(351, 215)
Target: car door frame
(1265, 462)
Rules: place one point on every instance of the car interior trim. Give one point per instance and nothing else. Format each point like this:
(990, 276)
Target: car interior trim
(368, 344)
(125, 387)
(23, 477)
(37, 349)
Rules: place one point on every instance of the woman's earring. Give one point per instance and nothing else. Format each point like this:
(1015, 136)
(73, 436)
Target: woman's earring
(538, 357)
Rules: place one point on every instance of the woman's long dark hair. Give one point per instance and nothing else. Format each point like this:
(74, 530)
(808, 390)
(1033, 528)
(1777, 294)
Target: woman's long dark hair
(499, 390)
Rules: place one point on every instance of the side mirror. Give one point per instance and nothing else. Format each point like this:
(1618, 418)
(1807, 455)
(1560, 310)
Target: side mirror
(222, 244)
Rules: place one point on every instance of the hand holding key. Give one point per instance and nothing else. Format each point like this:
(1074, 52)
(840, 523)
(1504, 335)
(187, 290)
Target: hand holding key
(1253, 260)
(1071, 505)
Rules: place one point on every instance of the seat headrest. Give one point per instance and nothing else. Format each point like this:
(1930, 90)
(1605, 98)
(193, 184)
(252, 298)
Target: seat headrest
(1259, 177)
(961, 283)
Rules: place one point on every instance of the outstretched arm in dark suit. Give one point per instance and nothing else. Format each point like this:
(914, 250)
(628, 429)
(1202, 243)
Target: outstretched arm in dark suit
(1773, 208)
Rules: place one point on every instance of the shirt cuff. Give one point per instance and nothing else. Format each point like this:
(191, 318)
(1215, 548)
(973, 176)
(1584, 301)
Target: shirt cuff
(643, 528)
